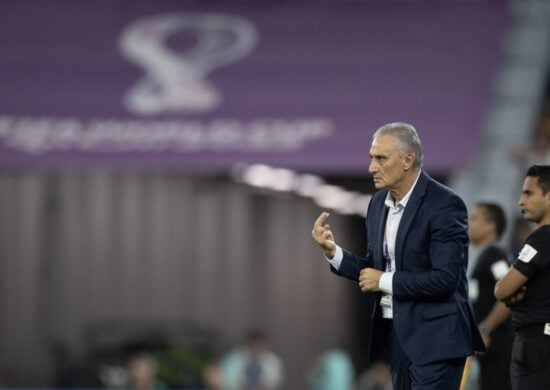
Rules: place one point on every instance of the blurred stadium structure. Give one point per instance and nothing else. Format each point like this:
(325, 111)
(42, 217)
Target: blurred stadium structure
(161, 164)
(519, 108)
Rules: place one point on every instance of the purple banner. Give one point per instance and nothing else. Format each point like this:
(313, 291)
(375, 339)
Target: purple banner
(204, 86)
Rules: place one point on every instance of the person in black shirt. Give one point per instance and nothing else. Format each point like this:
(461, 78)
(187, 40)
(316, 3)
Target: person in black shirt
(487, 223)
(526, 288)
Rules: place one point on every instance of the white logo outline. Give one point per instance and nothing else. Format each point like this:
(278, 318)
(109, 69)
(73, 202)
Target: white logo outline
(176, 82)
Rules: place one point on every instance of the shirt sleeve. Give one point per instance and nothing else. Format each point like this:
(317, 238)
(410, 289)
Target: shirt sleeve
(385, 283)
(534, 255)
(336, 261)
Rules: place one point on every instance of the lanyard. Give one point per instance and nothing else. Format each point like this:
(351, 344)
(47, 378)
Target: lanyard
(385, 251)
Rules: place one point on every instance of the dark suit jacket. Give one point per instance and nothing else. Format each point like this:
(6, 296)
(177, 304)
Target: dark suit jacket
(432, 317)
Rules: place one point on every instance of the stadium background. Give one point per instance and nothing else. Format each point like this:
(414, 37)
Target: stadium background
(161, 164)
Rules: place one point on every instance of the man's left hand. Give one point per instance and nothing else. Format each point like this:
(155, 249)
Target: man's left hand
(369, 279)
(515, 298)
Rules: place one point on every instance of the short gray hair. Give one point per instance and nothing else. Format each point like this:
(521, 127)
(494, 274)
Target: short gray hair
(408, 139)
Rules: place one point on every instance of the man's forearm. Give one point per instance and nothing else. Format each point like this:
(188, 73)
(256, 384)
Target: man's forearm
(498, 314)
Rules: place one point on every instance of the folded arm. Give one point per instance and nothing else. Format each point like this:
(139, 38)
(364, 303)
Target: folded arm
(511, 287)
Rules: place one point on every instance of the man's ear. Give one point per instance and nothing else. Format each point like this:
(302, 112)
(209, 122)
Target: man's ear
(409, 161)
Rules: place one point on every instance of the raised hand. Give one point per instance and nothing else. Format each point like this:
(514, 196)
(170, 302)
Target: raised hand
(322, 235)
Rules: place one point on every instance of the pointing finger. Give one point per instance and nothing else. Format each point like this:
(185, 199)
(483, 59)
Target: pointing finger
(321, 219)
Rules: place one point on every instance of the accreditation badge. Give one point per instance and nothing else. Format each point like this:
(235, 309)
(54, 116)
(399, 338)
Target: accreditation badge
(386, 301)
(386, 305)
(527, 253)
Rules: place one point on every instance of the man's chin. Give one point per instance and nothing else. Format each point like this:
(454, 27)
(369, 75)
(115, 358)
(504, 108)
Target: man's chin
(529, 217)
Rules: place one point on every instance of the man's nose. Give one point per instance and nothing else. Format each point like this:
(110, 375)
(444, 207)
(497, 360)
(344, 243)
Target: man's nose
(372, 167)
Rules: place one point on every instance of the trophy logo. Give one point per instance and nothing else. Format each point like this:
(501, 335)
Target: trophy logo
(176, 80)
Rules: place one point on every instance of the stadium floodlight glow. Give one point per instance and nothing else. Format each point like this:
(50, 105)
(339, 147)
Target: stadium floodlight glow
(330, 196)
(360, 204)
(258, 175)
(283, 179)
(307, 185)
(346, 202)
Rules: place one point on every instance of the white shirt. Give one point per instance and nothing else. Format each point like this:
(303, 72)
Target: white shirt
(395, 213)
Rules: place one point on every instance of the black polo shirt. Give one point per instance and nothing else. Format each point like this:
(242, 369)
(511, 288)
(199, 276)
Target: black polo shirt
(492, 264)
(534, 262)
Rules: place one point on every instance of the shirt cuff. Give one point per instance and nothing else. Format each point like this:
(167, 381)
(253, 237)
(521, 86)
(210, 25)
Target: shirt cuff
(336, 261)
(385, 282)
